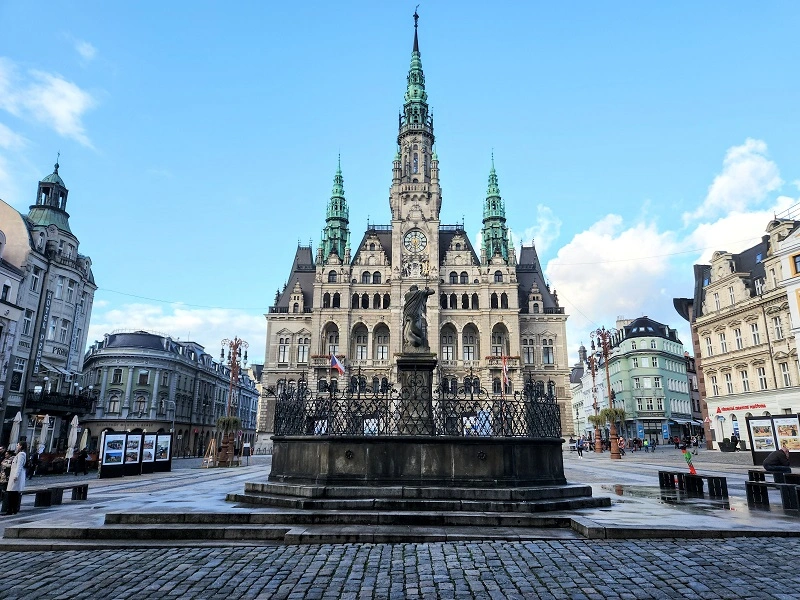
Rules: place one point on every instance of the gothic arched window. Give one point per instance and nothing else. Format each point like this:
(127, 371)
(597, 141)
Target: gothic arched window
(332, 277)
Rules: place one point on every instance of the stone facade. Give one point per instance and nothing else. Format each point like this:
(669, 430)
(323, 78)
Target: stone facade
(141, 381)
(488, 310)
(648, 375)
(48, 291)
(743, 336)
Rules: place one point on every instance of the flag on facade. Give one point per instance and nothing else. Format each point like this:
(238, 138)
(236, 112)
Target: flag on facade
(506, 378)
(336, 364)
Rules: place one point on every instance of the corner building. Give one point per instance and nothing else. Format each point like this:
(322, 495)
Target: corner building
(488, 308)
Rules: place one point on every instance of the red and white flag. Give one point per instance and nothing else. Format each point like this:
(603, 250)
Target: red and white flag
(506, 379)
(336, 364)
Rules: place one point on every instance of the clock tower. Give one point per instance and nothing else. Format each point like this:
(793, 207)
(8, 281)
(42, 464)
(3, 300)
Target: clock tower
(415, 196)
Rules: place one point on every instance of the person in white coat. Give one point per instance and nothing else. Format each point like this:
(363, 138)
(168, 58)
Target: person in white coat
(16, 479)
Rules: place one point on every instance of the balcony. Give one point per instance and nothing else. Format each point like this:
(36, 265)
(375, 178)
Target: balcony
(496, 362)
(58, 403)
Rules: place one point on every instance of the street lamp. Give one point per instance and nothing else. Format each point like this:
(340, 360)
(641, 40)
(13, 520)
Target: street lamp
(604, 338)
(595, 419)
(235, 347)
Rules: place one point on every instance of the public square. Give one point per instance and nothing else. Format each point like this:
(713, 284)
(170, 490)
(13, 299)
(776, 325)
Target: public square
(561, 564)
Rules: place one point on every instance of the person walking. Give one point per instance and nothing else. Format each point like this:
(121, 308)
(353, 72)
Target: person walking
(579, 447)
(695, 444)
(646, 445)
(621, 446)
(80, 462)
(16, 479)
(735, 441)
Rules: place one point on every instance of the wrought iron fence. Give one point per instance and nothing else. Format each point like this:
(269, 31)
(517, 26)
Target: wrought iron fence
(452, 411)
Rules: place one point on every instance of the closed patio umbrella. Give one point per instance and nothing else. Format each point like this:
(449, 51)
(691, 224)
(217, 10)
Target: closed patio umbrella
(84, 439)
(12, 441)
(72, 439)
(43, 433)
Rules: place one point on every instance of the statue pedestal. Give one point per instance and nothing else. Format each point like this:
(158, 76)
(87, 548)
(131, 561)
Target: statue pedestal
(415, 378)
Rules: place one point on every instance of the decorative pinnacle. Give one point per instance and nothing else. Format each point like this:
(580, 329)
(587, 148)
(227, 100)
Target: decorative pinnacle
(416, 19)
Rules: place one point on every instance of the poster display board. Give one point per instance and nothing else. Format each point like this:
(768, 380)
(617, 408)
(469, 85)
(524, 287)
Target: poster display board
(133, 454)
(163, 452)
(148, 452)
(769, 433)
(112, 454)
(762, 436)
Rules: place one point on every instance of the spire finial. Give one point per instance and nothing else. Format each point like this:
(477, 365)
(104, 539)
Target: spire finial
(58, 156)
(416, 40)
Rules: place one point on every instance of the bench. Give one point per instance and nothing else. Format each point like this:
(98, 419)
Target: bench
(758, 494)
(693, 484)
(777, 477)
(53, 495)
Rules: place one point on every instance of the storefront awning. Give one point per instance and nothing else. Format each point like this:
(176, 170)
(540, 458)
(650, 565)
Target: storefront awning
(681, 421)
(55, 369)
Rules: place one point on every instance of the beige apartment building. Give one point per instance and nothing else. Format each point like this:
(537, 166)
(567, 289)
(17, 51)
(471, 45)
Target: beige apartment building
(743, 336)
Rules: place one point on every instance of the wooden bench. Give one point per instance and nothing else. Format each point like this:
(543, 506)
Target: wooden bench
(777, 477)
(693, 484)
(758, 493)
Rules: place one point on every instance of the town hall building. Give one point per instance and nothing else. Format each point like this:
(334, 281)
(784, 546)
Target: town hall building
(493, 320)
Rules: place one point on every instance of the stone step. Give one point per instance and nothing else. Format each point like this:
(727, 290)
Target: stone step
(382, 518)
(150, 532)
(331, 534)
(312, 491)
(419, 505)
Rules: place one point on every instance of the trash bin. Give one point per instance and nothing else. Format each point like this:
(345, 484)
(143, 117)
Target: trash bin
(742, 445)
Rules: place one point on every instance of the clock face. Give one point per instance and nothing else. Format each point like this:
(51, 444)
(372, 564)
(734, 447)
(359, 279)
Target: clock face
(415, 241)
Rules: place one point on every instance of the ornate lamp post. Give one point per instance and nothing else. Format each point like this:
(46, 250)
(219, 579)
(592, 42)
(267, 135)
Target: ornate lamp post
(235, 348)
(604, 338)
(595, 419)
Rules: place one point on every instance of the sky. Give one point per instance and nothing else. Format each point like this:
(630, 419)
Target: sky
(199, 140)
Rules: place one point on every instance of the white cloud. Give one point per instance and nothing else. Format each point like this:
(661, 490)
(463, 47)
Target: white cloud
(10, 140)
(616, 270)
(746, 179)
(608, 271)
(47, 98)
(543, 233)
(85, 49)
(206, 326)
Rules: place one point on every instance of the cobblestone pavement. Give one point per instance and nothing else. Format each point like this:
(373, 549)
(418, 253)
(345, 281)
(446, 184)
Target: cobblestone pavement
(752, 568)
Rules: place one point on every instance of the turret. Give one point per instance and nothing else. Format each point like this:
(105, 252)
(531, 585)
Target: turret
(495, 233)
(336, 234)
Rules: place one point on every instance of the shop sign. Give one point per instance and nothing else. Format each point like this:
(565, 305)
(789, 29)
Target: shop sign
(721, 409)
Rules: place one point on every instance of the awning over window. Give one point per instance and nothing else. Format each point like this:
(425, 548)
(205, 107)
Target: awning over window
(681, 421)
(55, 369)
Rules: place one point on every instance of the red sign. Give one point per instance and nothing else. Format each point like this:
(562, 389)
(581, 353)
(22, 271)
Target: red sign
(721, 409)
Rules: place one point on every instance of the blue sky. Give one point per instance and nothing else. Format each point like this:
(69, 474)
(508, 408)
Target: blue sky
(199, 140)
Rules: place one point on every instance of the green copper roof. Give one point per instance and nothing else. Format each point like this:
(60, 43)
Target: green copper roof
(54, 177)
(495, 233)
(336, 234)
(415, 108)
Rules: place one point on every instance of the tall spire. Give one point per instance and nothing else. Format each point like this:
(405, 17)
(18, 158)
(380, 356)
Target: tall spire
(495, 232)
(415, 108)
(336, 234)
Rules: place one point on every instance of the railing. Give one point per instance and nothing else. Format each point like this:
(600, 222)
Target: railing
(285, 310)
(59, 402)
(497, 361)
(416, 411)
